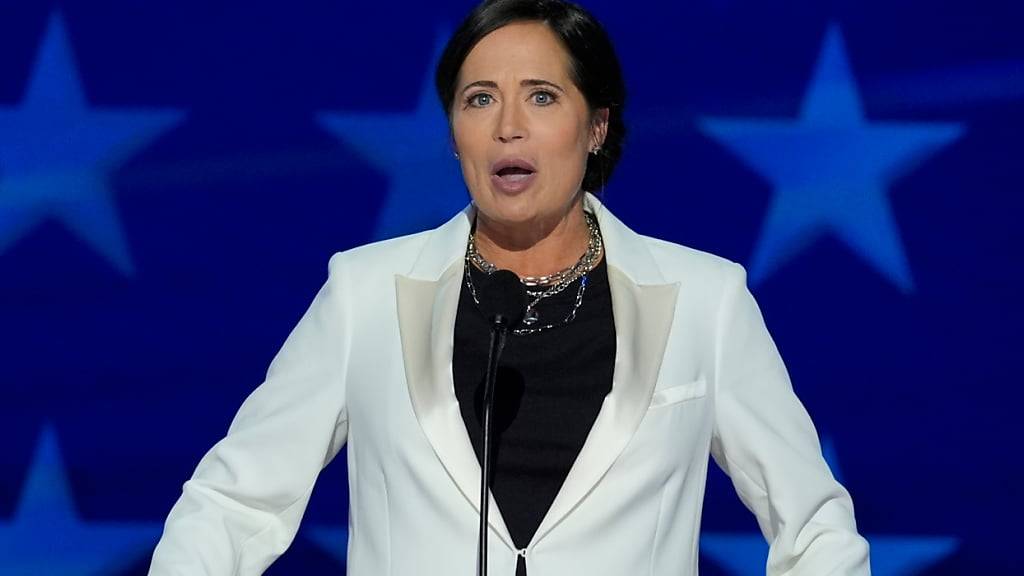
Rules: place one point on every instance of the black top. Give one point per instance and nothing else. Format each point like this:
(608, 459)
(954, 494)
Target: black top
(549, 390)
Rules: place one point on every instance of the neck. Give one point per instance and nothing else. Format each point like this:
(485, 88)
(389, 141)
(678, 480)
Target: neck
(535, 248)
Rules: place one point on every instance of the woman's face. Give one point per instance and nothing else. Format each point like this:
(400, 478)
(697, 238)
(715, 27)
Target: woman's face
(521, 127)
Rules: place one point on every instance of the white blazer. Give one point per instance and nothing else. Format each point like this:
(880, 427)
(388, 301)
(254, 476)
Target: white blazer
(370, 365)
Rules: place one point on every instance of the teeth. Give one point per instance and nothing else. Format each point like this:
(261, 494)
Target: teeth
(515, 177)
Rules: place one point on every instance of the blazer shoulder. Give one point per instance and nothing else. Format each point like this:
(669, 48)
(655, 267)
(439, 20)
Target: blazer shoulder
(388, 257)
(679, 263)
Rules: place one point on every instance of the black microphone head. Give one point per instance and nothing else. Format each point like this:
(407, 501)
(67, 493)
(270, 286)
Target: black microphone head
(502, 298)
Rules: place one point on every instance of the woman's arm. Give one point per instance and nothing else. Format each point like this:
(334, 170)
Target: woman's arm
(242, 507)
(765, 441)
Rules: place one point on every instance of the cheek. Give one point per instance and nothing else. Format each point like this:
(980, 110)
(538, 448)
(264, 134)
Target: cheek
(566, 139)
(566, 147)
(566, 131)
(467, 132)
(472, 148)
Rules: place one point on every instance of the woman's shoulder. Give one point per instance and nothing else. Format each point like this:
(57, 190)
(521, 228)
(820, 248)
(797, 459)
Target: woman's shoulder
(672, 262)
(681, 263)
(394, 255)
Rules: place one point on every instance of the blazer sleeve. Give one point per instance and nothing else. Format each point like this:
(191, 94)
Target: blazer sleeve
(242, 506)
(765, 441)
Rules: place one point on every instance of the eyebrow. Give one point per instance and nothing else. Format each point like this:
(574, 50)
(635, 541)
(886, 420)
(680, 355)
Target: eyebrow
(526, 82)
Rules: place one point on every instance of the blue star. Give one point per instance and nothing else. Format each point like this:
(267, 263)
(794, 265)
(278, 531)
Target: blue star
(330, 539)
(745, 554)
(46, 536)
(737, 554)
(55, 148)
(831, 169)
(828, 451)
(426, 183)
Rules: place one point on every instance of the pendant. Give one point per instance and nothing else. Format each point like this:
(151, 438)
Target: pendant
(531, 317)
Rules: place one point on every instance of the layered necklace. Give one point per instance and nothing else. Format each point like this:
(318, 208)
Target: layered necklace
(540, 287)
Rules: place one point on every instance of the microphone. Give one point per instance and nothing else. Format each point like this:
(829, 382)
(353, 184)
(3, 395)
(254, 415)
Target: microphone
(502, 300)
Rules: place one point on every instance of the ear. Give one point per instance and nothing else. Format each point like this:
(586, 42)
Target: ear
(599, 127)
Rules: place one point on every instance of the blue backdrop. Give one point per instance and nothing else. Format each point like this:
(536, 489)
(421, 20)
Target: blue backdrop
(175, 175)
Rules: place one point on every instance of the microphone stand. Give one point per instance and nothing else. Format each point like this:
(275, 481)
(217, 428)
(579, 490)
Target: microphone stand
(499, 330)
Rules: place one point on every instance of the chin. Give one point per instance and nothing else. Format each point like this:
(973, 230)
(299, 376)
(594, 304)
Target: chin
(503, 207)
(532, 205)
(509, 216)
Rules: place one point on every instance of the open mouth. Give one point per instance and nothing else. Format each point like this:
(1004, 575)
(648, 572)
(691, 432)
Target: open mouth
(514, 173)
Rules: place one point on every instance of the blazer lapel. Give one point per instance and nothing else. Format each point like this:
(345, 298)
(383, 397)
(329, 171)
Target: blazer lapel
(643, 306)
(643, 316)
(426, 319)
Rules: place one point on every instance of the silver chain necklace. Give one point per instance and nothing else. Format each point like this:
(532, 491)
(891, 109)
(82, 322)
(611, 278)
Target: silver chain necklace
(552, 283)
(586, 262)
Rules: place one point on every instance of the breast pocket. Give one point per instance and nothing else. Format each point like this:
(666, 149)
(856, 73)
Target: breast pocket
(679, 393)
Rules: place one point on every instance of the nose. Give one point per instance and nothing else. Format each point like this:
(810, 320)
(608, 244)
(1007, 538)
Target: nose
(510, 126)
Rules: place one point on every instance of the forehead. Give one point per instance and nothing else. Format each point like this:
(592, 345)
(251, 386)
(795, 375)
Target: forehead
(527, 49)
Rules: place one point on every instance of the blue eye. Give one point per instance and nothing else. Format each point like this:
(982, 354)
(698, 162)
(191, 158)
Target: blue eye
(544, 98)
(479, 99)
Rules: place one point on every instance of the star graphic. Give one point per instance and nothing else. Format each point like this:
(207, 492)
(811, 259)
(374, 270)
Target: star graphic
(55, 150)
(45, 536)
(330, 539)
(830, 169)
(746, 554)
(426, 183)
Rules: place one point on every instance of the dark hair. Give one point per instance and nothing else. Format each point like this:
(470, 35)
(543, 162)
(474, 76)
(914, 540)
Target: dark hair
(594, 68)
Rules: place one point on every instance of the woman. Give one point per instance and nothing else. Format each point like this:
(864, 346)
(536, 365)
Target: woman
(637, 359)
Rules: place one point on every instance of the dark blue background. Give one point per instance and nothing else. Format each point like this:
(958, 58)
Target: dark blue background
(262, 137)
